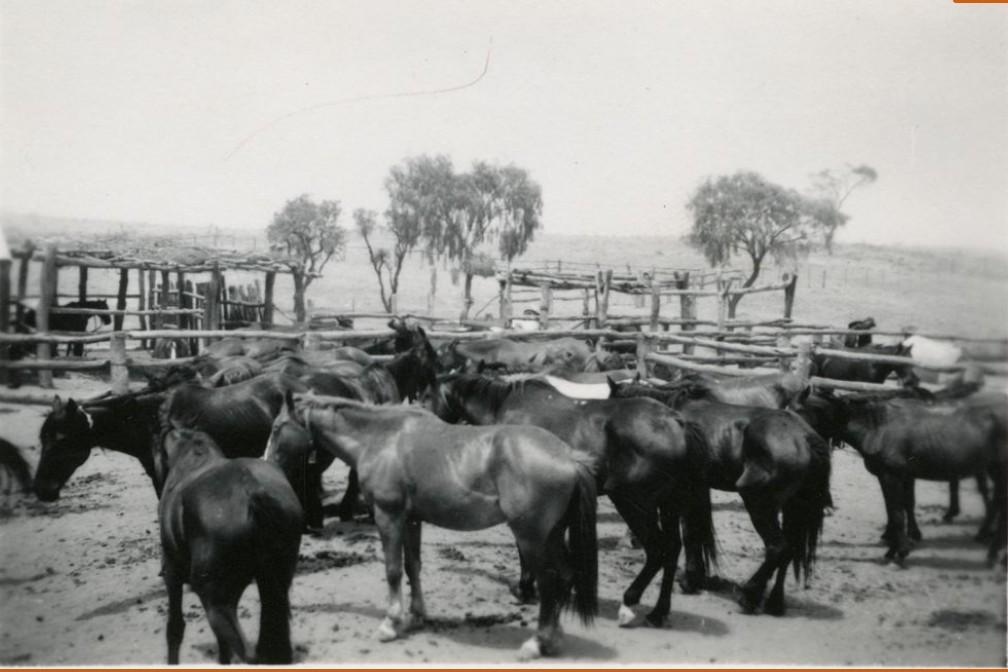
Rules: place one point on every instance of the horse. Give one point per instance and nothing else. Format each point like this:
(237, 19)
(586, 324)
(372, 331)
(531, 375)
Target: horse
(77, 323)
(859, 340)
(125, 423)
(234, 369)
(15, 475)
(225, 523)
(563, 354)
(827, 365)
(775, 390)
(648, 463)
(414, 468)
(901, 440)
(781, 469)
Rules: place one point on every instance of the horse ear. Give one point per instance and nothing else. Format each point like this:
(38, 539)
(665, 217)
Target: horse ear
(612, 386)
(289, 401)
(71, 406)
(57, 404)
(481, 367)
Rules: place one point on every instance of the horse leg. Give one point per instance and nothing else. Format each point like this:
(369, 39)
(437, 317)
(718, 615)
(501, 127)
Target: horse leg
(525, 591)
(643, 522)
(554, 576)
(671, 547)
(986, 527)
(695, 574)
(893, 489)
(273, 582)
(999, 504)
(345, 510)
(910, 508)
(953, 507)
(390, 527)
(418, 612)
(764, 516)
(176, 622)
(222, 612)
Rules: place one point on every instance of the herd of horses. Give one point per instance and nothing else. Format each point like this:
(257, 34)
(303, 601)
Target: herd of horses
(235, 443)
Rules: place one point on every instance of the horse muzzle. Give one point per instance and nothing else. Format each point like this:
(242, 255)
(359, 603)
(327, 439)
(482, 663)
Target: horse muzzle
(46, 491)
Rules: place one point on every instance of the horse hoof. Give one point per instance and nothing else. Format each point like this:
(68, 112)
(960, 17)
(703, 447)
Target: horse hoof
(689, 586)
(386, 631)
(774, 608)
(749, 604)
(523, 596)
(915, 535)
(653, 621)
(626, 617)
(530, 650)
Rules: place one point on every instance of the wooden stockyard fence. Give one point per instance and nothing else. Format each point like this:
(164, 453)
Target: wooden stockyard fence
(767, 345)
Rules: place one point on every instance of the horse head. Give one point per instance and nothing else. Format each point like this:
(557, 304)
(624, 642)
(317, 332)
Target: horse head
(181, 449)
(66, 439)
(289, 441)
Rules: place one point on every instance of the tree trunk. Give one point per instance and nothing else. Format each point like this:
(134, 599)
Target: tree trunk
(467, 300)
(299, 296)
(733, 301)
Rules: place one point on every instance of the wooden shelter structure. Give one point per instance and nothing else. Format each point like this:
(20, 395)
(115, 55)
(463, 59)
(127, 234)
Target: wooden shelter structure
(153, 261)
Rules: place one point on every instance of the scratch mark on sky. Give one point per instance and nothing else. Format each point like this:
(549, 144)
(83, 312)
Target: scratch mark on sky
(343, 101)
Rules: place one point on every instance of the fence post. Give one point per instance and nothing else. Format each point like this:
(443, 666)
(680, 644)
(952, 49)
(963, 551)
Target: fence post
(311, 342)
(142, 304)
(268, 298)
(5, 287)
(22, 286)
(803, 363)
(655, 305)
(117, 363)
(789, 293)
(784, 341)
(586, 309)
(211, 305)
(47, 298)
(643, 350)
(545, 303)
(602, 282)
(82, 273)
(687, 306)
(117, 320)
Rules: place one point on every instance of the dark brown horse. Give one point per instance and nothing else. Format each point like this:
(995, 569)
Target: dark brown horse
(415, 468)
(225, 523)
(902, 440)
(647, 464)
(827, 365)
(781, 469)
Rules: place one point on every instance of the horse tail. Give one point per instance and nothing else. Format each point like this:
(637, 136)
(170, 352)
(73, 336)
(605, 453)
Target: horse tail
(699, 516)
(804, 513)
(277, 537)
(583, 543)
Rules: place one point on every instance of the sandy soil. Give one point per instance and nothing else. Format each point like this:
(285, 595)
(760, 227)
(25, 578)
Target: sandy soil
(79, 585)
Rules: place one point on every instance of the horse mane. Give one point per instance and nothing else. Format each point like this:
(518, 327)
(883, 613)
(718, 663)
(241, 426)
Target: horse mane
(494, 391)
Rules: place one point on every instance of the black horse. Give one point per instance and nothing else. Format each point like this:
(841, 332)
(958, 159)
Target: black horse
(404, 378)
(647, 462)
(780, 467)
(775, 390)
(126, 423)
(77, 323)
(859, 340)
(828, 365)
(225, 523)
(902, 439)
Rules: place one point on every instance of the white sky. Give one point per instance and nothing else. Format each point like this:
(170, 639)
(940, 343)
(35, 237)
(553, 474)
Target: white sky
(197, 112)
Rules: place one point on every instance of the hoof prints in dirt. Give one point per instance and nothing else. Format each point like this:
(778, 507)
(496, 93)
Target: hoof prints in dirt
(323, 560)
(452, 553)
(961, 621)
(475, 620)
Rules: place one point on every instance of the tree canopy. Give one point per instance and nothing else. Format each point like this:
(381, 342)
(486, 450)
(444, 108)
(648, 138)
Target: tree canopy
(457, 215)
(744, 213)
(308, 234)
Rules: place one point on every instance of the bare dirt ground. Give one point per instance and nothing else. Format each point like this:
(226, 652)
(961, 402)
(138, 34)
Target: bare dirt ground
(79, 585)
